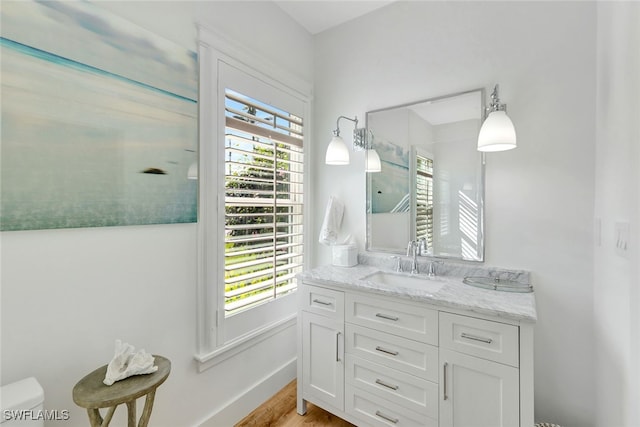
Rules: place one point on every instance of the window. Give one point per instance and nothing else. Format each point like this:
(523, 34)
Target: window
(250, 210)
(424, 200)
(263, 202)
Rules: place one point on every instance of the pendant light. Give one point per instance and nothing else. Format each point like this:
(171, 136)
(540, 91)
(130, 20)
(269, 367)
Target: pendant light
(497, 132)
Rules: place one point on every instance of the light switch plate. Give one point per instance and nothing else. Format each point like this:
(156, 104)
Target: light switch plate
(621, 239)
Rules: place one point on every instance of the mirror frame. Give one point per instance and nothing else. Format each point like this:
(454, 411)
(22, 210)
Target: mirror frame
(480, 197)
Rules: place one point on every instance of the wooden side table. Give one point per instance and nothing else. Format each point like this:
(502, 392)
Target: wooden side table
(91, 393)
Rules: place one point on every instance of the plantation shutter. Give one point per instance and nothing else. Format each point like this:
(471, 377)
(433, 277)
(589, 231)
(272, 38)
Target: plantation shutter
(263, 201)
(424, 200)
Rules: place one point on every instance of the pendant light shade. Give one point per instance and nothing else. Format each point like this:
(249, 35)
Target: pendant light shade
(337, 152)
(497, 133)
(372, 161)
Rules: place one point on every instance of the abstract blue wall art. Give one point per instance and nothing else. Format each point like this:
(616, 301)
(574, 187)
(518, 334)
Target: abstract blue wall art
(99, 120)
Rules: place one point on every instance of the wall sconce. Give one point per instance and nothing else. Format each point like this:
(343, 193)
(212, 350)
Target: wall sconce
(338, 153)
(497, 132)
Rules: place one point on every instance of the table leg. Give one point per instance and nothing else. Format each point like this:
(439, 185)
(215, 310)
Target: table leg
(148, 406)
(107, 418)
(131, 413)
(94, 417)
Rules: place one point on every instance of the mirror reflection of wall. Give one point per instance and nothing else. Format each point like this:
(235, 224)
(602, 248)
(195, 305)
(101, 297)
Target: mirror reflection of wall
(431, 183)
(390, 188)
(456, 173)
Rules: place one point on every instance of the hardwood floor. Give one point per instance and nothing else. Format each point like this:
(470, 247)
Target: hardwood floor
(280, 411)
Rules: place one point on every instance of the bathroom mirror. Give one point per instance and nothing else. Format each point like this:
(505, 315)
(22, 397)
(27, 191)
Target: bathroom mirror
(431, 185)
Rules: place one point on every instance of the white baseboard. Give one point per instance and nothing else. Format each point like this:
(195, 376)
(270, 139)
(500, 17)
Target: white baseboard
(253, 397)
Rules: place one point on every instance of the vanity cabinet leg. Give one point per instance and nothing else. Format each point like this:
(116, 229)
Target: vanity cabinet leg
(302, 406)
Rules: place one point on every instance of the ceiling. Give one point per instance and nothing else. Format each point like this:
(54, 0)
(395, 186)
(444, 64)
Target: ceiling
(319, 15)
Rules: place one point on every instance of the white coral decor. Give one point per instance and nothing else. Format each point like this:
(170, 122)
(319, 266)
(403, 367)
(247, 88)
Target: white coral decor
(126, 362)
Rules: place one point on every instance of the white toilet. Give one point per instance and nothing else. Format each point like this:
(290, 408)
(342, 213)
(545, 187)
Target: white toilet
(21, 403)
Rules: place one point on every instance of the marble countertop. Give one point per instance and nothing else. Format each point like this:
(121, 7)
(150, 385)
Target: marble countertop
(453, 292)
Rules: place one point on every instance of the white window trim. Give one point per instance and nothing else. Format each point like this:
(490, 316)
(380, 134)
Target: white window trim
(213, 47)
(212, 358)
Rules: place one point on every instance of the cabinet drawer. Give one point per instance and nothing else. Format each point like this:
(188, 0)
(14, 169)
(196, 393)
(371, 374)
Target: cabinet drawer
(322, 301)
(405, 355)
(406, 320)
(379, 412)
(406, 390)
(482, 338)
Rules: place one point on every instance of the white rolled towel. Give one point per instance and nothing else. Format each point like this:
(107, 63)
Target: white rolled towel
(332, 222)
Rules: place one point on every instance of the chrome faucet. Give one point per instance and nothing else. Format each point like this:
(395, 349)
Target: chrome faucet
(412, 251)
(432, 268)
(398, 263)
(410, 247)
(422, 246)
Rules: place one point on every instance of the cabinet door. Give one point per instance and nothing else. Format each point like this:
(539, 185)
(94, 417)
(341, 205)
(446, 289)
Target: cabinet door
(323, 359)
(477, 393)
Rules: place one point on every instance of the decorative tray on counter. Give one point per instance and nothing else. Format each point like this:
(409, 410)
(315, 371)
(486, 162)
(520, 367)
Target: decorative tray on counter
(497, 284)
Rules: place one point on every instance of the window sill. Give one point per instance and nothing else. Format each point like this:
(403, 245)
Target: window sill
(232, 348)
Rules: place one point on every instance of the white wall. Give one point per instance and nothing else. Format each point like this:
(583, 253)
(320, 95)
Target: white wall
(68, 294)
(617, 279)
(539, 198)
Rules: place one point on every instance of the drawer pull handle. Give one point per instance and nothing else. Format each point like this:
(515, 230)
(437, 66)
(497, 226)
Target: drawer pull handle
(476, 338)
(384, 350)
(317, 301)
(386, 316)
(386, 417)
(387, 385)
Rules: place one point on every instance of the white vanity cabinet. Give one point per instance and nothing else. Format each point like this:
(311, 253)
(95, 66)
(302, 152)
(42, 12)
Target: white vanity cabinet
(322, 327)
(378, 360)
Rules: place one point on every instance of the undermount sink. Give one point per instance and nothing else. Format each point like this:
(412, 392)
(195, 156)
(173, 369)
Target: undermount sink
(424, 283)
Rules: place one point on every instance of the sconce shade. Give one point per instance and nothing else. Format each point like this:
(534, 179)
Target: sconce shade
(497, 133)
(192, 173)
(337, 152)
(372, 161)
